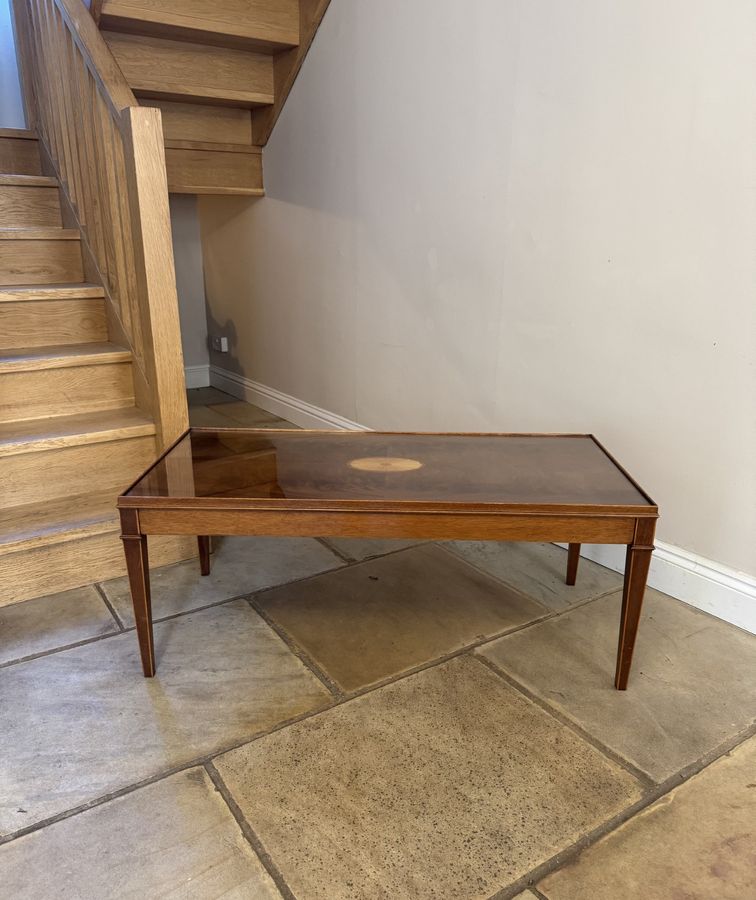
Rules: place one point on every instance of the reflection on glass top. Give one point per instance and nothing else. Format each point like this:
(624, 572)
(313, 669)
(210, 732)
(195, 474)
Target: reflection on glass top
(374, 466)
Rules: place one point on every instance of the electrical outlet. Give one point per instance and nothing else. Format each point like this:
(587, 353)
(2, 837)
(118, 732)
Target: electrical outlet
(219, 343)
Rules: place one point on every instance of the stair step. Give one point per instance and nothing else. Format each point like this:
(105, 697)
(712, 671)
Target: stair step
(31, 206)
(197, 122)
(266, 25)
(50, 521)
(27, 181)
(21, 293)
(199, 167)
(35, 383)
(77, 556)
(20, 233)
(28, 323)
(22, 133)
(52, 433)
(175, 70)
(19, 155)
(75, 467)
(62, 356)
(40, 256)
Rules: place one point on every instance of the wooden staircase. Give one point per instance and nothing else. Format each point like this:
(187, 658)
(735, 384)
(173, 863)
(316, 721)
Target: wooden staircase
(71, 436)
(91, 369)
(219, 73)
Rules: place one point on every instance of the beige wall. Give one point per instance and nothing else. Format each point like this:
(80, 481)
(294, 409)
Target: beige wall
(187, 254)
(518, 216)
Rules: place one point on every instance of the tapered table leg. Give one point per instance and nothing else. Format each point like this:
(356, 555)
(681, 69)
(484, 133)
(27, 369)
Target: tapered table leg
(637, 562)
(203, 542)
(573, 558)
(137, 566)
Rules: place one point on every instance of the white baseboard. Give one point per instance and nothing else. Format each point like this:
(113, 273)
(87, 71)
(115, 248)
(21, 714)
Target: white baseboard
(698, 581)
(197, 376)
(703, 583)
(301, 413)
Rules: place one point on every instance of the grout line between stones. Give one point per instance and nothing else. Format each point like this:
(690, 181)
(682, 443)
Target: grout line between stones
(123, 628)
(526, 882)
(246, 829)
(82, 643)
(539, 894)
(111, 609)
(444, 545)
(647, 783)
(302, 655)
(341, 555)
(511, 890)
(571, 853)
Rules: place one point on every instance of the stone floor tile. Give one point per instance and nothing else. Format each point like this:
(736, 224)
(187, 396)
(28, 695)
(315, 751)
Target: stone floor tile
(81, 723)
(693, 682)
(367, 548)
(240, 565)
(446, 784)
(249, 416)
(538, 570)
(205, 396)
(696, 843)
(206, 417)
(46, 623)
(176, 838)
(367, 622)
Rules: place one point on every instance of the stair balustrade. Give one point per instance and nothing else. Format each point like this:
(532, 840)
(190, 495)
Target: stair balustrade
(107, 153)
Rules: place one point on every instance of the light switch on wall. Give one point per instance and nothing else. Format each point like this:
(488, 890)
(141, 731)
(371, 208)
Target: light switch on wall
(219, 343)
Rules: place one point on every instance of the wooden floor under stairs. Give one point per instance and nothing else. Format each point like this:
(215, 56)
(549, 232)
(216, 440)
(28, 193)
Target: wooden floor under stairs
(71, 436)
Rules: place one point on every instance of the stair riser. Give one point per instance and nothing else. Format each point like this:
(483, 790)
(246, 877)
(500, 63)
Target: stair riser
(205, 169)
(28, 207)
(39, 323)
(50, 474)
(59, 567)
(19, 157)
(195, 122)
(40, 262)
(65, 392)
(175, 70)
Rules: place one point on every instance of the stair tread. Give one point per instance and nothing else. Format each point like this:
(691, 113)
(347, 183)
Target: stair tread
(224, 27)
(39, 234)
(27, 180)
(67, 431)
(60, 356)
(18, 134)
(49, 522)
(20, 292)
(215, 189)
(156, 90)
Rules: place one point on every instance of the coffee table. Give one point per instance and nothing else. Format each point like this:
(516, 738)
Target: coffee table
(485, 487)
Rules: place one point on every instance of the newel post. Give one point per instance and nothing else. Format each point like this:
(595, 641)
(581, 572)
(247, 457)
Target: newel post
(144, 155)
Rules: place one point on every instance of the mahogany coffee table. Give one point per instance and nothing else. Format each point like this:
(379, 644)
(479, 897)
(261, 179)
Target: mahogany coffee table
(484, 487)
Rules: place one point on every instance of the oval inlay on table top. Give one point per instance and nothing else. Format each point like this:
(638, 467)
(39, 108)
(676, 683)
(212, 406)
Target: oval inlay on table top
(385, 464)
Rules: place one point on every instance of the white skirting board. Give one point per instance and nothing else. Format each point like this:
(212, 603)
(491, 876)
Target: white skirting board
(703, 583)
(700, 582)
(301, 413)
(197, 376)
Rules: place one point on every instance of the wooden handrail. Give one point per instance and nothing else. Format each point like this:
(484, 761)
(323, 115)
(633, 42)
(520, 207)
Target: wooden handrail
(107, 153)
(96, 54)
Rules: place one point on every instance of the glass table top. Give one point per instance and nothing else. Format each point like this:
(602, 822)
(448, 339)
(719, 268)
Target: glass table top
(367, 467)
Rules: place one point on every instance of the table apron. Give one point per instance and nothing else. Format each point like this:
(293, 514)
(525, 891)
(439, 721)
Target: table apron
(594, 529)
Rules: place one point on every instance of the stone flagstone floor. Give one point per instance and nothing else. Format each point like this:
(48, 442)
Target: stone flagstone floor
(361, 719)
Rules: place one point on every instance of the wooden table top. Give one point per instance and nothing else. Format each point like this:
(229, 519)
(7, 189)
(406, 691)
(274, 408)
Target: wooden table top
(219, 468)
